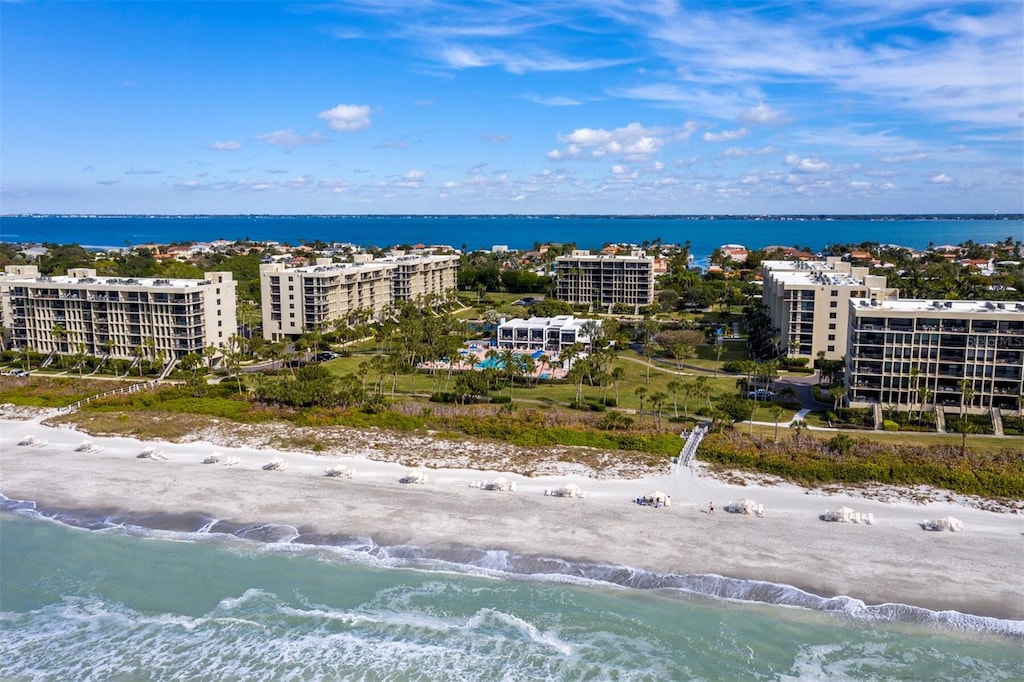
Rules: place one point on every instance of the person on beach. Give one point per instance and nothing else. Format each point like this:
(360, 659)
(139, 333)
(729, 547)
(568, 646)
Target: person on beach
(711, 507)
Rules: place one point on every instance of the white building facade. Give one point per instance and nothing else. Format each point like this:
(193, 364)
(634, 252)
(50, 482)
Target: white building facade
(548, 334)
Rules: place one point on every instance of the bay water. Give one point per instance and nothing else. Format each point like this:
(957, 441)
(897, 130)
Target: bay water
(119, 601)
(704, 233)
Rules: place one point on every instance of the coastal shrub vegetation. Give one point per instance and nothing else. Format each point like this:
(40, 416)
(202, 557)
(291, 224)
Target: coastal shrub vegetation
(814, 462)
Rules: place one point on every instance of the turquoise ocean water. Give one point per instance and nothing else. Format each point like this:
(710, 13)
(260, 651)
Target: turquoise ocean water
(119, 601)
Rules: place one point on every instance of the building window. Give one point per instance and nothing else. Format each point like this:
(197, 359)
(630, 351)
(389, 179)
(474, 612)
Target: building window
(831, 349)
(831, 316)
(831, 337)
(833, 304)
(834, 292)
(831, 325)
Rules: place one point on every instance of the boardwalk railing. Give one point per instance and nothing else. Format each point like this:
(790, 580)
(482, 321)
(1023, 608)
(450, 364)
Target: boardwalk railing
(134, 388)
(693, 439)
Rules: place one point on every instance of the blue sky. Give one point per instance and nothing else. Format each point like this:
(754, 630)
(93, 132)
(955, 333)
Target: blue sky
(540, 106)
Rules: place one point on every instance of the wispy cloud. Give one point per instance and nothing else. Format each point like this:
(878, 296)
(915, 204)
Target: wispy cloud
(539, 60)
(762, 115)
(289, 138)
(553, 101)
(725, 135)
(225, 146)
(496, 138)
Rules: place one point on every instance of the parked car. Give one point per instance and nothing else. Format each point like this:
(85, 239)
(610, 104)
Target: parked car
(324, 356)
(760, 394)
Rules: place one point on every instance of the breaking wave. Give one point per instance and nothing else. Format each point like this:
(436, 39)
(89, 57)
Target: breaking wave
(498, 563)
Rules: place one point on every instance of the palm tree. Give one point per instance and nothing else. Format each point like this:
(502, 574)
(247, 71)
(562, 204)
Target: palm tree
(719, 348)
(777, 413)
(641, 393)
(966, 395)
(702, 389)
(686, 388)
(658, 399)
(673, 388)
(616, 376)
(836, 392)
(511, 366)
(925, 394)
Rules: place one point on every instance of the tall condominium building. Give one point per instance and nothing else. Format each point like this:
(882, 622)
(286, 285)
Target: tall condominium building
(297, 300)
(808, 303)
(117, 316)
(916, 353)
(584, 278)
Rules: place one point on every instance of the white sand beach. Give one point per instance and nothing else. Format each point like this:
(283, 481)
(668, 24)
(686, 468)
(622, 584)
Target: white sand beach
(978, 571)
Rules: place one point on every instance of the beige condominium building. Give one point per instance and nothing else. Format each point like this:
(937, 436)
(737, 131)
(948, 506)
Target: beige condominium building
(297, 300)
(808, 302)
(603, 280)
(117, 317)
(917, 353)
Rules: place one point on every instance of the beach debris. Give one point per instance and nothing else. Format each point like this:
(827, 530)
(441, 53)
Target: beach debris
(212, 458)
(31, 441)
(848, 515)
(151, 453)
(567, 490)
(276, 464)
(231, 461)
(419, 477)
(89, 446)
(950, 523)
(339, 471)
(655, 499)
(499, 484)
(745, 506)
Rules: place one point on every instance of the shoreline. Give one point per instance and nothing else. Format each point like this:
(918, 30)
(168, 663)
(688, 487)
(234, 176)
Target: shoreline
(976, 572)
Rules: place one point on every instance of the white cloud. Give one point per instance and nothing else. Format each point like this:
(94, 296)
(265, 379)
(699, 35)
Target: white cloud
(412, 180)
(633, 142)
(940, 179)
(144, 171)
(108, 183)
(334, 186)
(347, 118)
(225, 146)
(289, 138)
(860, 184)
(805, 165)
(762, 115)
(301, 182)
(726, 135)
(496, 138)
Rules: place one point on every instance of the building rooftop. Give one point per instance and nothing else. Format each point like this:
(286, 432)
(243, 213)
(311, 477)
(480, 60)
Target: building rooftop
(938, 306)
(109, 282)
